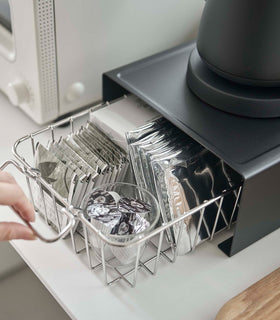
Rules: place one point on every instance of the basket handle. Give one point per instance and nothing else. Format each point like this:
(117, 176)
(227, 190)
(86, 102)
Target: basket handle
(70, 216)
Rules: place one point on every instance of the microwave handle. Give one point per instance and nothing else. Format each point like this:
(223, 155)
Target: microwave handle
(64, 231)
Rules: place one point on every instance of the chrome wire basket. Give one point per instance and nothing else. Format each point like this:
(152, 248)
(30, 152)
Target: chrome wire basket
(58, 213)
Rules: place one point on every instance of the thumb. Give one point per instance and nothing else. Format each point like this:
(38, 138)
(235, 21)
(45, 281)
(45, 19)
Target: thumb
(13, 230)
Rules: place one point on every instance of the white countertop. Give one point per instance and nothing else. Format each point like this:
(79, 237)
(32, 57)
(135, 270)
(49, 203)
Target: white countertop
(194, 288)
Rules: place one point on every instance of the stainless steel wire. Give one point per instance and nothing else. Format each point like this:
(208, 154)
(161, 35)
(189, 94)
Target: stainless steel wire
(73, 215)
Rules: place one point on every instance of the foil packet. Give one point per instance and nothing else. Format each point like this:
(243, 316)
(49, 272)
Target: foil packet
(116, 216)
(188, 184)
(76, 164)
(182, 175)
(54, 171)
(143, 131)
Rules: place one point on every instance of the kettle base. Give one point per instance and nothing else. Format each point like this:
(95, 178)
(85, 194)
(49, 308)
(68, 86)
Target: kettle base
(228, 96)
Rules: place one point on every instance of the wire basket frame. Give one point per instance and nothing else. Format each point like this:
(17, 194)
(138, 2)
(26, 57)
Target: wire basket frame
(153, 243)
(65, 211)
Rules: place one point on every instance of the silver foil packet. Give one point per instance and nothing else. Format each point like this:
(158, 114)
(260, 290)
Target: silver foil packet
(141, 132)
(80, 162)
(117, 216)
(182, 174)
(106, 206)
(55, 172)
(133, 206)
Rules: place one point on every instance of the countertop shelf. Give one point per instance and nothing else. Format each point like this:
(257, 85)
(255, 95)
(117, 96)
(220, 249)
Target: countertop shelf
(160, 80)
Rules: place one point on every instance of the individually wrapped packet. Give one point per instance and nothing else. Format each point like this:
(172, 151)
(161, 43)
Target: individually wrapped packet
(181, 199)
(66, 158)
(116, 160)
(135, 157)
(87, 175)
(102, 211)
(122, 116)
(104, 139)
(95, 151)
(167, 140)
(102, 150)
(60, 177)
(162, 192)
(129, 223)
(162, 150)
(224, 178)
(80, 162)
(57, 219)
(84, 153)
(118, 156)
(182, 174)
(171, 141)
(117, 216)
(141, 132)
(198, 180)
(53, 170)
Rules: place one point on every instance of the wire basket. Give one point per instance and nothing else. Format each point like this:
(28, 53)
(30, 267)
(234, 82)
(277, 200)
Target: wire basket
(58, 213)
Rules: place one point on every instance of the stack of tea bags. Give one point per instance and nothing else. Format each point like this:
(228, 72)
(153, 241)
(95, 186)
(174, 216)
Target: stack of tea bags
(94, 155)
(76, 164)
(181, 174)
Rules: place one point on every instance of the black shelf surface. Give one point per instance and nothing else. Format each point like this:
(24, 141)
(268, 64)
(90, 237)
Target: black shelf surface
(248, 145)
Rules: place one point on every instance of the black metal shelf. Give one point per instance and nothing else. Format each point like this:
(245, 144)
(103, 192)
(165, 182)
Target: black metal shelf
(249, 146)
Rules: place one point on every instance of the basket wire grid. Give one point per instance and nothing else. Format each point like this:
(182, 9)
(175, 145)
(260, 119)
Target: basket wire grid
(154, 241)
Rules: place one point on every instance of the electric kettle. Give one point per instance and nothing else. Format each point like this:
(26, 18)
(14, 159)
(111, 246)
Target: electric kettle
(236, 65)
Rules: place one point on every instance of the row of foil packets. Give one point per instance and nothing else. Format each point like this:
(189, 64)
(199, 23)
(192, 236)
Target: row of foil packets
(182, 175)
(75, 165)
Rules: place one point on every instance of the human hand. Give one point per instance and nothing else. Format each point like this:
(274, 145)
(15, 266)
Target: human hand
(12, 195)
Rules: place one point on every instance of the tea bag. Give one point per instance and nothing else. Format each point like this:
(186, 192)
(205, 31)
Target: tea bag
(80, 162)
(104, 139)
(53, 170)
(85, 154)
(66, 158)
(171, 142)
(224, 178)
(143, 131)
(202, 178)
(122, 116)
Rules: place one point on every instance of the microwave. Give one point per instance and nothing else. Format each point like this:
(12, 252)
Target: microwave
(53, 52)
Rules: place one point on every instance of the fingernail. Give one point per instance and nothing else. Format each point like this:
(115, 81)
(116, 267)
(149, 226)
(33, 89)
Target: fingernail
(33, 217)
(31, 235)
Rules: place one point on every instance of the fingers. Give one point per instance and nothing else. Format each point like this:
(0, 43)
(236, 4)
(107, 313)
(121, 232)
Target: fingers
(13, 230)
(7, 177)
(12, 195)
